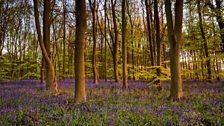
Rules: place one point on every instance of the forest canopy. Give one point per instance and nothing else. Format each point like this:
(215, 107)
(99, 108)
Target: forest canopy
(202, 41)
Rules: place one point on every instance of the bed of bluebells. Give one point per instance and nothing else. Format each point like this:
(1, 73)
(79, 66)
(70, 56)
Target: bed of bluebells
(27, 103)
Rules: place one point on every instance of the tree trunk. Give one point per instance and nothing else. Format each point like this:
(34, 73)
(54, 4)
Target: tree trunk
(115, 43)
(80, 89)
(158, 43)
(174, 36)
(64, 36)
(44, 42)
(148, 7)
(208, 61)
(94, 66)
(124, 47)
(105, 41)
(42, 71)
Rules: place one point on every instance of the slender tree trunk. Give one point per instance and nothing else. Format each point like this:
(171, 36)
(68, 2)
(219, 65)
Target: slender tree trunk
(94, 66)
(174, 36)
(208, 61)
(105, 40)
(64, 36)
(80, 89)
(124, 46)
(115, 43)
(148, 7)
(158, 43)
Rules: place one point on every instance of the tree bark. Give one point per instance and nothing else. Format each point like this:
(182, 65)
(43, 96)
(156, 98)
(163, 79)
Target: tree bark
(64, 36)
(208, 61)
(115, 43)
(105, 41)
(42, 71)
(158, 43)
(124, 46)
(44, 42)
(148, 7)
(80, 90)
(174, 36)
(94, 66)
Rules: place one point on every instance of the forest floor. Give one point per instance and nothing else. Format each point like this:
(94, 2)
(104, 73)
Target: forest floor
(26, 102)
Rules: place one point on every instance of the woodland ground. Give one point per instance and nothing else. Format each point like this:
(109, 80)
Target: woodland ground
(26, 103)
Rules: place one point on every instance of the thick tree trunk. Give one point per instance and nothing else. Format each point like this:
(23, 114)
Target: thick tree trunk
(80, 90)
(174, 35)
(44, 42)
(42, 71)
(51, 82)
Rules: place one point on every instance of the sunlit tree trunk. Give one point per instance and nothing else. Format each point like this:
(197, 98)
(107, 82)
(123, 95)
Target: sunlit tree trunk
(44, 42)
(94, 66)
(174, 36)
(80, 90)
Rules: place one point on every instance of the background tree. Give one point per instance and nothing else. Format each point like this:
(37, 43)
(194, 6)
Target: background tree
(93, 7)
(115, 41)
(208, 61)
(124, 47)
(148, 9)
(158, 44)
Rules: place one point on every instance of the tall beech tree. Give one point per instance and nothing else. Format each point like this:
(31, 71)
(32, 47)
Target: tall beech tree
(45, 43)
(81, 26)
(105, 40)
(158, 43)
(174, 36)
(149, 25)
(124, 47)
(208, 61)
(94, 14)
(115, 42)
(64, 37)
